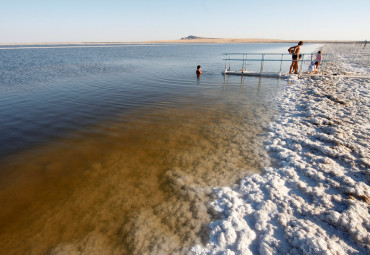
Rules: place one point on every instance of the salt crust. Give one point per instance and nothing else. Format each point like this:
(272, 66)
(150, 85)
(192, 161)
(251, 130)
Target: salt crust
(317, 201)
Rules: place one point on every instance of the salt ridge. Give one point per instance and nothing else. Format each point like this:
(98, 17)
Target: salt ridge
(317, 201)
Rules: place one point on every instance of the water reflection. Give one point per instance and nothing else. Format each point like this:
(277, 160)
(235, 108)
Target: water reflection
(244, 83)
(122, 161)
(135, 185)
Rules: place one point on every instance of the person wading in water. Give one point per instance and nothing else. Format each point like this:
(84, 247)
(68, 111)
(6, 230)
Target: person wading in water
(198, 71)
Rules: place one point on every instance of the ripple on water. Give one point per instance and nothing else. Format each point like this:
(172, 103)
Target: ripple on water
(132, 185)
(125, 163)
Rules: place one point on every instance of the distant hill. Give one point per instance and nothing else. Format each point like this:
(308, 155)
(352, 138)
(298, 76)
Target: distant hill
(193, 37)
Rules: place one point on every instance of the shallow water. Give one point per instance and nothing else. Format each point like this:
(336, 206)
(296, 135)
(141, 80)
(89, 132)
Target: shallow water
(116, 149)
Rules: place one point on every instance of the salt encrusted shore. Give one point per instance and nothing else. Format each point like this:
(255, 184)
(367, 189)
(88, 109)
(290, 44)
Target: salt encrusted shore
(317, 200)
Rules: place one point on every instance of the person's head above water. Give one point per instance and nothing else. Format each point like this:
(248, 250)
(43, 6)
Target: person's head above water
(198, 71)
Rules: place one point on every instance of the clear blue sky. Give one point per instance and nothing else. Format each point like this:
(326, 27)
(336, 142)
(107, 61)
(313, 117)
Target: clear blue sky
(144, 20)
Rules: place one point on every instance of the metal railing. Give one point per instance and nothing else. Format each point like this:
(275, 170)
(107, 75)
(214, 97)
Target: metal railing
(277, 57)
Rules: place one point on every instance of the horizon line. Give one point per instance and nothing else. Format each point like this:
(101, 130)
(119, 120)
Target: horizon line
(185, 40)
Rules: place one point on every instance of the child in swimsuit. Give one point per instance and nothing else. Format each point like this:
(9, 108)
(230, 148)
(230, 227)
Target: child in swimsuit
(318, 59)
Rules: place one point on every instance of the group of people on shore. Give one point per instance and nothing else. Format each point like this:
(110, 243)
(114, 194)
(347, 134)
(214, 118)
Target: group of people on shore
(296, 56)
(295, 51)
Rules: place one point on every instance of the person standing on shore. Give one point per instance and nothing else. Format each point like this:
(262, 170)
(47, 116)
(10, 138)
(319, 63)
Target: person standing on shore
(295, 51)
(318, 59)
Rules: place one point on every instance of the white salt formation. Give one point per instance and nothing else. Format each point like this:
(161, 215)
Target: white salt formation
(172, 189)
(317, 201)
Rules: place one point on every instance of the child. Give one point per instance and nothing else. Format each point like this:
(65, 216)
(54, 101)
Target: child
(318, 59)
(312, 68)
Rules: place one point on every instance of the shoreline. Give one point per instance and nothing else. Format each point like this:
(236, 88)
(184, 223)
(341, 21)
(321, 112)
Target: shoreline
(140, 174)
(317, 201)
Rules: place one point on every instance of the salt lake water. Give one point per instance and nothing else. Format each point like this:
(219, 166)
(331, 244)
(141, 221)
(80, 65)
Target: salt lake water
(115, 149)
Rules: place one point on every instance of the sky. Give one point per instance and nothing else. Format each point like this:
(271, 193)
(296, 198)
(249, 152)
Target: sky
(27, 21)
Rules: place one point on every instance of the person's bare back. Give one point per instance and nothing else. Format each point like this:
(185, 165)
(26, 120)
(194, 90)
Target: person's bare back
(295, 58)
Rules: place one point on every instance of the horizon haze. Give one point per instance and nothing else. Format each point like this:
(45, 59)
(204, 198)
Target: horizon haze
(139, 21)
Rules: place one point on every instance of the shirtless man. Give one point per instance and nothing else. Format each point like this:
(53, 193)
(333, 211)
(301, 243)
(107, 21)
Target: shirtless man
(199, 71)
(295, 51)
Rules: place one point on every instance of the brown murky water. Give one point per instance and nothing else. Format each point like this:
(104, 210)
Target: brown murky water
(99, 157)
(139, 184)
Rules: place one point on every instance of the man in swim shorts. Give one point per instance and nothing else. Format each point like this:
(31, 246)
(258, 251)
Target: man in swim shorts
(296, 56)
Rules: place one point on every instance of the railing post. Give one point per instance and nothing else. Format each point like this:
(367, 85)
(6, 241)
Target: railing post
(262, 62)
(225, 58)
(243, 64)
(300, 69)
(246, 59)
(281, 63)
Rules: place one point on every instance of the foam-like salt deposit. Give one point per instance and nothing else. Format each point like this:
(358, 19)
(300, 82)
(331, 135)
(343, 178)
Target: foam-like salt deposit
(317, 201)
(175, 216)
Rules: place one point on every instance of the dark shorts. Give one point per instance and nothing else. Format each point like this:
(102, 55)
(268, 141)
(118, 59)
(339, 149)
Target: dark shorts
(295, 56)
(317, 62)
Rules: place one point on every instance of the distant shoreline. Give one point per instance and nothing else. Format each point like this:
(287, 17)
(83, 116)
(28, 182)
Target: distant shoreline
(187, 41)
